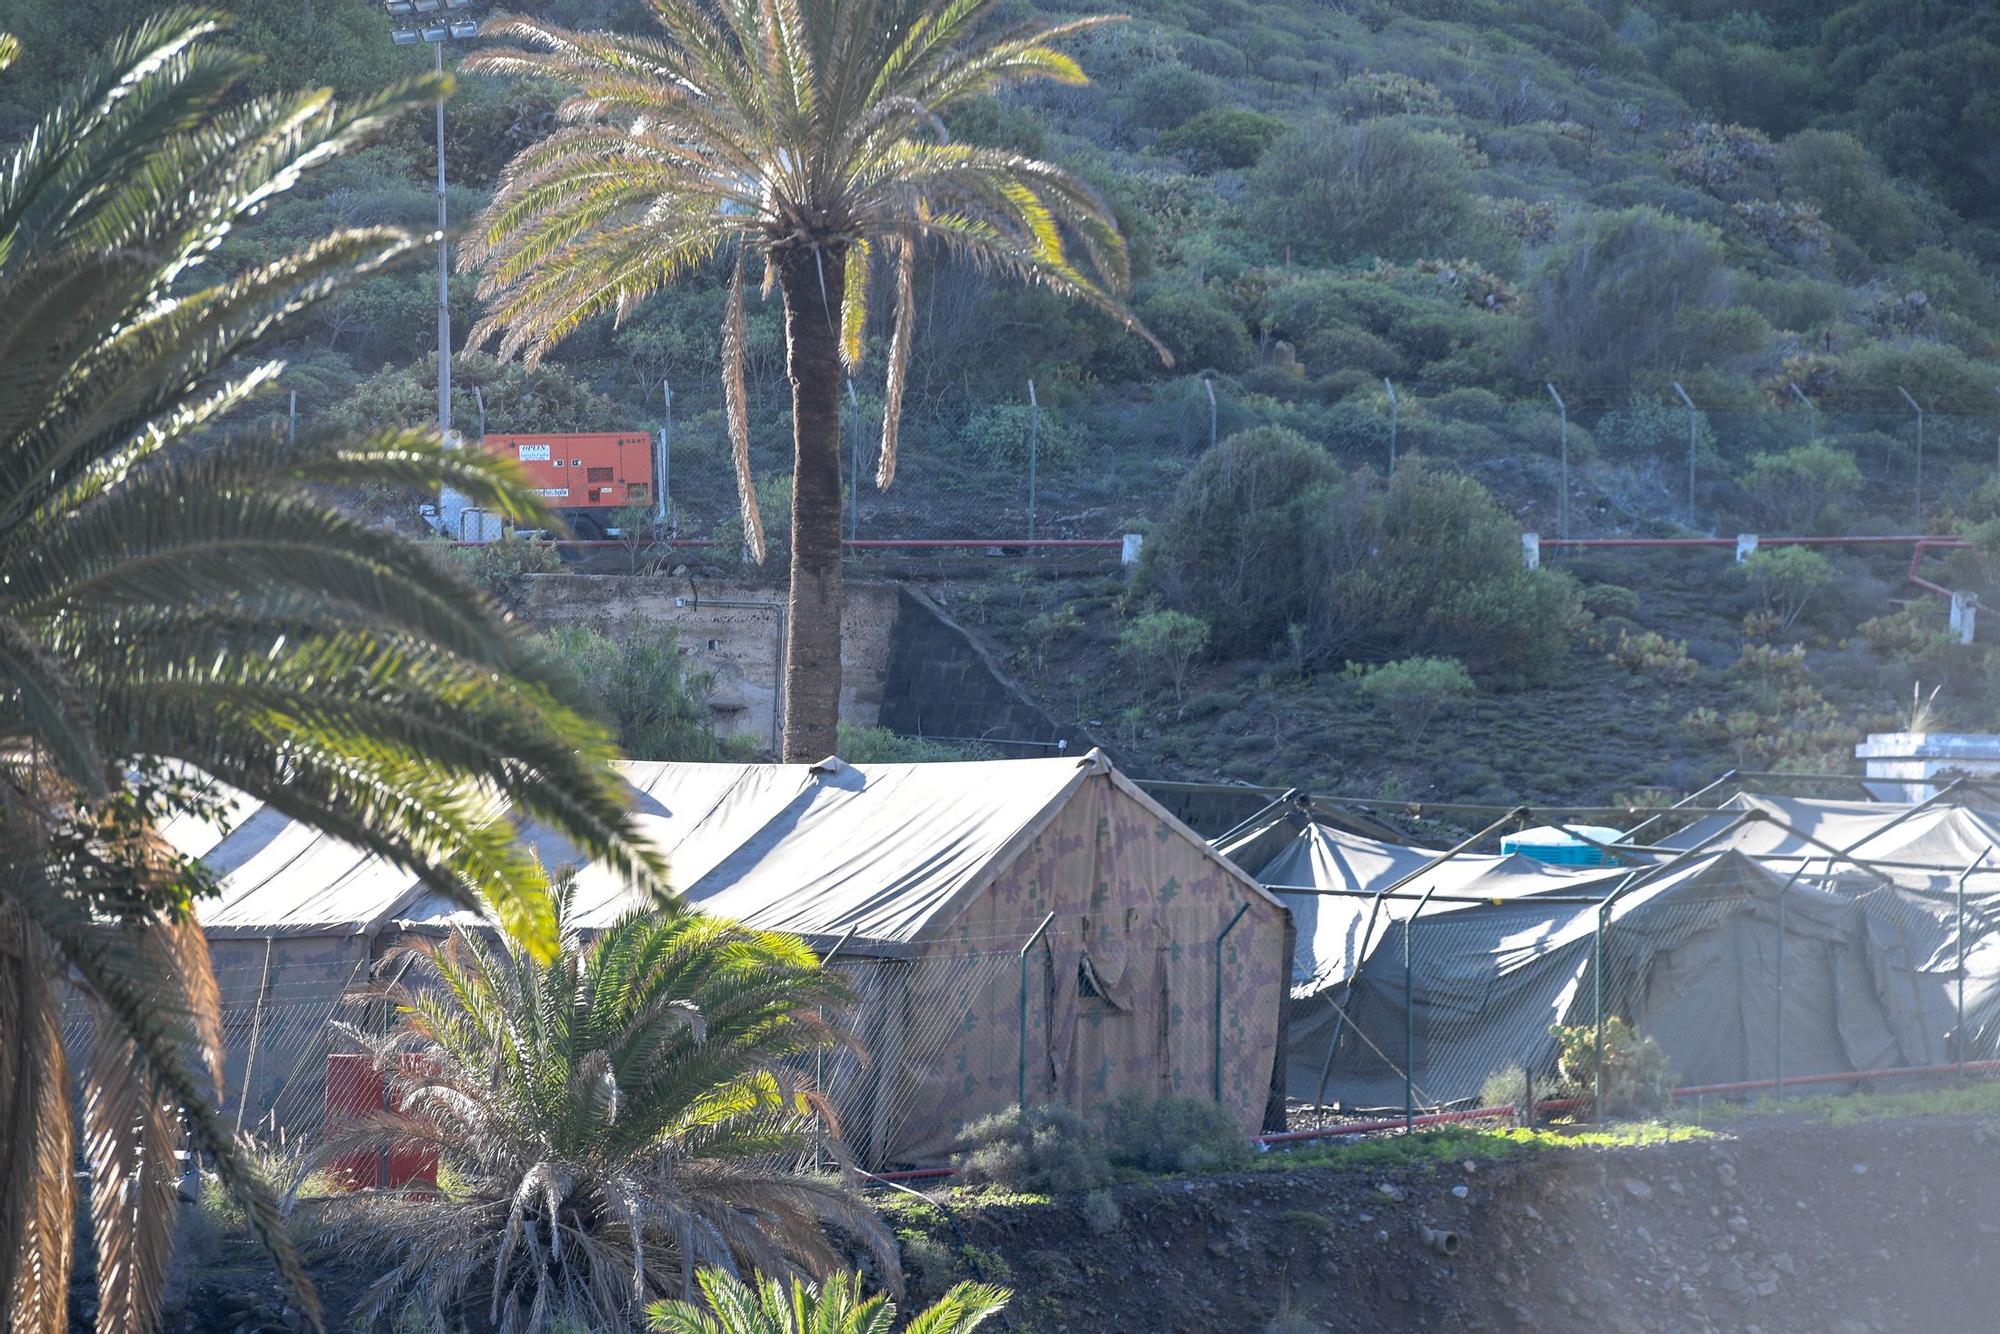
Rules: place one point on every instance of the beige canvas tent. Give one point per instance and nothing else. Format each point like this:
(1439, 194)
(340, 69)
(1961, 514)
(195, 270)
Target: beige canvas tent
(1150, 962)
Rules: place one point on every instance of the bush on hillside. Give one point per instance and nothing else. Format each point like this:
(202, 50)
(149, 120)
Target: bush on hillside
(1637, 1080)
(1787, 579)
(1632, 295)
(1167, 641)
(1412, 691)
(1794, 489)
(1268, 533)
(1168, 95)
(1835, 173)
(1333, 192)
(1173, 1133)
(1654, 654)
(1203, 334)
(1221, 139)
(1048, 1150)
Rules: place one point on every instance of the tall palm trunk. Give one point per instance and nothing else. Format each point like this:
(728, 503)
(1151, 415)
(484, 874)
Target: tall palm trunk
(812, 279)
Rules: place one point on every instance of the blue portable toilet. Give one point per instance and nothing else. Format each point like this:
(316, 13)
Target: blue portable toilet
(1548, 844)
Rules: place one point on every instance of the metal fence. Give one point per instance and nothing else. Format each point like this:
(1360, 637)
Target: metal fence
(1838, 982)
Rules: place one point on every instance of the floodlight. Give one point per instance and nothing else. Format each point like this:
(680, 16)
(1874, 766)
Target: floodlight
(465, 28)
(437, 32)
(404, 37)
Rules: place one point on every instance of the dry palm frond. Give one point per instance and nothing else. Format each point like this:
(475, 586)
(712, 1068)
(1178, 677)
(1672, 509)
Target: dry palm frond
(613, 1121)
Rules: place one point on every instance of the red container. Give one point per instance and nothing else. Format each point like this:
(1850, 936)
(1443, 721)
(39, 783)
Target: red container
(354, 1088)
(584, 476)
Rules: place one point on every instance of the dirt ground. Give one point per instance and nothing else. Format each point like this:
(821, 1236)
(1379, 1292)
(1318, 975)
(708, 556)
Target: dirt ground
(1778, 1228)
(1867, 1229)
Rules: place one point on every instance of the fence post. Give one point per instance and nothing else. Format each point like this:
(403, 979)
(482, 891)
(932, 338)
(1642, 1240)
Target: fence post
(666, 497)
(1395, 408)
(1959, 1030)
(1597, 989)
(1694, 429)
(1021, 1096)
(1241, 908)
(264, 982)
(1778, 1027)
(1919, 410)
(1034, 448)
(1562, 508)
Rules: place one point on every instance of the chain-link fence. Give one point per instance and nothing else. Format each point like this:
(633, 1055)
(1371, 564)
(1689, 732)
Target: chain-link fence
(1620, 1005)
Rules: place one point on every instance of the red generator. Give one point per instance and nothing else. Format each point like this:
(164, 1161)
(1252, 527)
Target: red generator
(585, 477)
(354, 1087)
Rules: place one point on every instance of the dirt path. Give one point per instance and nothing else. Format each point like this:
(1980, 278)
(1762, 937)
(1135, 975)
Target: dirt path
(1865, 1229)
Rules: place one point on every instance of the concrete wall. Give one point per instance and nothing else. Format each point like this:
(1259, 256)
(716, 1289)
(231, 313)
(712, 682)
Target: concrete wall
(739, 645)
(905, 664)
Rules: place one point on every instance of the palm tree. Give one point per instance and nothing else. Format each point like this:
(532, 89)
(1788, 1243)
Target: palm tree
(835, 1307)
(804, 138)
(179, 610)
(606, 1123)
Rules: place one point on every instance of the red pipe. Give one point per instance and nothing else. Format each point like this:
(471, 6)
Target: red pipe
(1844, 1077)
(916, 543)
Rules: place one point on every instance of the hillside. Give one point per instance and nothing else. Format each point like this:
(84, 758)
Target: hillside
(1525, 221)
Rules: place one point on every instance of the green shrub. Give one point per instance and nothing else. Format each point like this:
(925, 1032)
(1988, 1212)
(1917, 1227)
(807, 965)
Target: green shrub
(1651, 427)
(1636, 294)
(1374, 93)
(1334, 192)
(1637, 1081)
(502, 568)
(879, 745)
(1165, 97)
(640, 684)
(774, 509)
(1839, 176)
(997, 433)
(1413, 690)
(1101, 1213)
(1169, 641)
(1173, 1133)
(1787, 579)
(1221, 139)
(1797, 487)
(1202, 334)
(1048, 1150)
(1506, 1087)
(1609, 600)
(1655, 654)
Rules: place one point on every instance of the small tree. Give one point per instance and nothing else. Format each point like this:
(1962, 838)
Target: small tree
(639, 530)
(642, 688)
(1167, 639)
(1413, 690)
(1787, 579)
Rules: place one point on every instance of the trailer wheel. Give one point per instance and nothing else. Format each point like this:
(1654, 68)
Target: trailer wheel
(586, 528)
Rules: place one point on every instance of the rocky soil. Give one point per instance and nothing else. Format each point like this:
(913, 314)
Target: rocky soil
(1865, 1229)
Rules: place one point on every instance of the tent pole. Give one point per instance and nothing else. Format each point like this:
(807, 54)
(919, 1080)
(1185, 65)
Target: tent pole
(1778, 1027)
(1021, 1098)
(1960, 933)
(1241, 908)
(819, 1057)
(264, 980)
(1597, 988)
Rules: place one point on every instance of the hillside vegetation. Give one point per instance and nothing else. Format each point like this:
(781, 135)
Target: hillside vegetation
(1492, 223)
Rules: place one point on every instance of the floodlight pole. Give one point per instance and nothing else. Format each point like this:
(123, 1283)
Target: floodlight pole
(1694, 427)
(444, 270)
(1034, 449)
(666, 451)
(1917, 408)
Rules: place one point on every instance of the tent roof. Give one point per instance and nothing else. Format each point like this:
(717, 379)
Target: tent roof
(1943, 835)
(888, 852)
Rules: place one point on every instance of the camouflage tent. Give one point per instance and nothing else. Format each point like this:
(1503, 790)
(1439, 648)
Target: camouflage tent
(1031, 924)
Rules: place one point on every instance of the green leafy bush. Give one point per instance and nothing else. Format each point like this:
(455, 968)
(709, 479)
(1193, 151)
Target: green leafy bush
(1796, 488)
(1787, 579)
(798, 1305)
(997, 433)
(1609, 600)
(1637, 1080)
(641, 685)
(1173, 1133)
(1169, 641)
(1413, 691)
(879, 745)
(502, 568)
(1334, 192)
(1221, 138)
(1048, 1150)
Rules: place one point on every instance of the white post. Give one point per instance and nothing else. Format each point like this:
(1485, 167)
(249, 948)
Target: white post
(1964, 611)
(1128, 555)
(1531, 550)
(479, 398)
(1746, 546)
(292, 419)
(666, 488)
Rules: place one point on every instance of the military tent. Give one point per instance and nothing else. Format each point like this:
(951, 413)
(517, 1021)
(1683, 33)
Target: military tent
(1506, 947)
(1150, 962)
